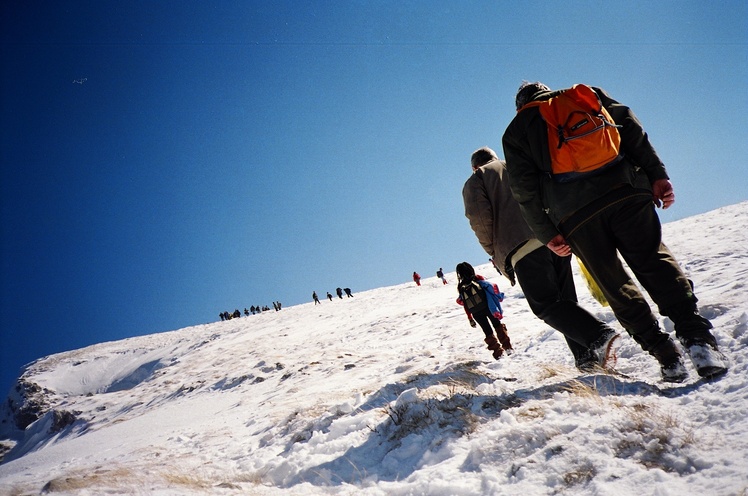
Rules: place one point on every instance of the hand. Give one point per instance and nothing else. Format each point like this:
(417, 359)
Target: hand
(472, 323)
(558, 246)
(662, 190)
(498, 315)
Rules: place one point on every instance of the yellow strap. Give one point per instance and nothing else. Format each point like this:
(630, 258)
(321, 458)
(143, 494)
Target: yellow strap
(592, 285)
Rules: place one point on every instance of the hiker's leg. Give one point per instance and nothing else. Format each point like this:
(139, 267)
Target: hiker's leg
(482, 321)
(595, 243)
(501, 333)
(639, 237)
(548, 284)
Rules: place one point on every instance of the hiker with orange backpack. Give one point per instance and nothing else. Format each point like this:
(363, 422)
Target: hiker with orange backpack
(587, 180)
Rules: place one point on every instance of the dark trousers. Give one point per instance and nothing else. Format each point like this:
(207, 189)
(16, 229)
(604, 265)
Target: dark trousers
(548, 284)
(629, 226)
(485, 321)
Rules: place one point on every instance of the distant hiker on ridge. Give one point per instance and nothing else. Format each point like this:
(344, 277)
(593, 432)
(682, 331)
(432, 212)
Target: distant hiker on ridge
(417, 278)
(440, 275)
(315, 298)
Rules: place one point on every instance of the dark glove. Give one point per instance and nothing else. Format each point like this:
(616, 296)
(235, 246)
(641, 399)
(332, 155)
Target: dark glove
(472, 323)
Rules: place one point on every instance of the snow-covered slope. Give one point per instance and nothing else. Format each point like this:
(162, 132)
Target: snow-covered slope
(391, 392)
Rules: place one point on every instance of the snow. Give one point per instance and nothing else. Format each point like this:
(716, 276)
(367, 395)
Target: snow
(391, 392)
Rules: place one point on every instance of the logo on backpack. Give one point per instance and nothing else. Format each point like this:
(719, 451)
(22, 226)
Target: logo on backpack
(582, 136)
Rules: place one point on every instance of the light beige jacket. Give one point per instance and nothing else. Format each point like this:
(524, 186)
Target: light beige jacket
(495, 215)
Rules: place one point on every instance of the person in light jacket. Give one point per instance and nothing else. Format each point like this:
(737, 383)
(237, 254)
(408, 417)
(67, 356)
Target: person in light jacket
(546, 278)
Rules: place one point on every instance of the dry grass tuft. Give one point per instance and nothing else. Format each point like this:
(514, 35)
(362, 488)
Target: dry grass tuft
(582, 475)
(186, 481)
(128, 481)
(548, 371)
(581, 389)
(531, 413)
(655, 437)
(97, 478)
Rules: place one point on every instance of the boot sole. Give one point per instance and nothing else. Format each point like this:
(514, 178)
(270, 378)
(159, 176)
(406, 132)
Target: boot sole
(711, 372)
(707, 361)
(675, 378)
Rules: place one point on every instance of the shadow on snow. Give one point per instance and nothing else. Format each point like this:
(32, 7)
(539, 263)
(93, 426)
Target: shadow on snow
(401, 444)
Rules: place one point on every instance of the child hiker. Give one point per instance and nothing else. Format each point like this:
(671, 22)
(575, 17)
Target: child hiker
(482, 303)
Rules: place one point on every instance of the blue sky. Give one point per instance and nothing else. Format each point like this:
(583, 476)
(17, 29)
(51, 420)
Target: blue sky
(162, 162)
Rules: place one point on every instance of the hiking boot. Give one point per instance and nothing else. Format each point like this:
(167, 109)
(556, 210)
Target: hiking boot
(583, 359)
(588, 365)
(503, 337)
(493, 345)
(708, 361)
(672, 367)
(674, 372)
(687, 321)
(604, 349)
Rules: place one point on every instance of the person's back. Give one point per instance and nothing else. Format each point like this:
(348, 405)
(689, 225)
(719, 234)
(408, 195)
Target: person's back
(597, 216)
(503, 230)
(525, 144)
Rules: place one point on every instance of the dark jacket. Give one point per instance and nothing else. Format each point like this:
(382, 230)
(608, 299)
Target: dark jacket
(494, 215)
(546, 203)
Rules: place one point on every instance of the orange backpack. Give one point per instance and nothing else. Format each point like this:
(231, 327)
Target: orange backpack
(582, 137)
